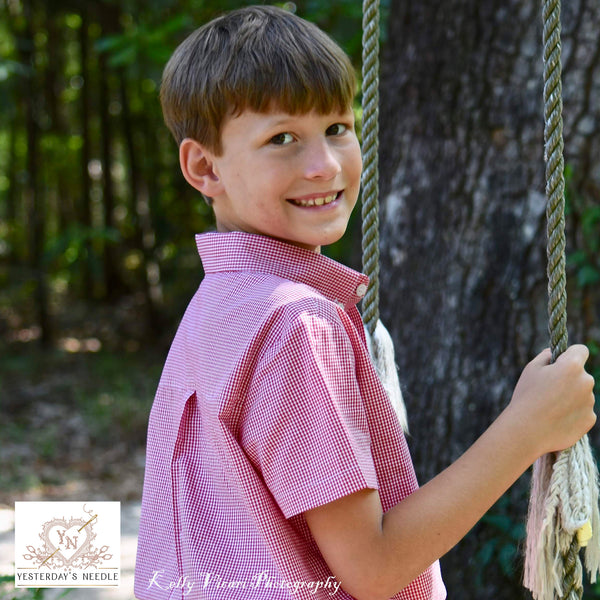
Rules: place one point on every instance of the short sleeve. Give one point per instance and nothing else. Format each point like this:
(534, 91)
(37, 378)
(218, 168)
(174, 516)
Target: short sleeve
(305, 427)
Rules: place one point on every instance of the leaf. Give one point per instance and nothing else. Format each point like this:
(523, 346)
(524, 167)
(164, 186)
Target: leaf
(159, 54)
(517, 532)
(506, 558)
(176, 24)
(587, 275)
(110, 42)
(123, 57)
(486, 553)
(501, 522)
(591, 216)
(577, 258)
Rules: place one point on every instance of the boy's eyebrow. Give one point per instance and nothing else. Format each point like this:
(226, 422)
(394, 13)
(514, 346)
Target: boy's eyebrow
(287, 119)
(281, 121)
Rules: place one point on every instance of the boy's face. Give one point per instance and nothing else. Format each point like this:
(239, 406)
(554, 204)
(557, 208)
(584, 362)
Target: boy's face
(290, 177)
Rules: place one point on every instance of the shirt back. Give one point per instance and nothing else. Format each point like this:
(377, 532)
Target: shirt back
(268, 406)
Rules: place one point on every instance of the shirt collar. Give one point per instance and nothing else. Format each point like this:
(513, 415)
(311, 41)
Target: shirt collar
(240, 251)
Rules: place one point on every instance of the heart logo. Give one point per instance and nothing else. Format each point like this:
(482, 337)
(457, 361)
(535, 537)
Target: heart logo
(67, 540)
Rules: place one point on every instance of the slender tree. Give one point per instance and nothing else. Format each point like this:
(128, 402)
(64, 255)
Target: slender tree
(112, 283)
(32, 193)
(139, 205)
(86, 149)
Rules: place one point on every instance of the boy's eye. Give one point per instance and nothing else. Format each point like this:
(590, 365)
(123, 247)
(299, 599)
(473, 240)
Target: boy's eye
(336, 129)
(282, 139)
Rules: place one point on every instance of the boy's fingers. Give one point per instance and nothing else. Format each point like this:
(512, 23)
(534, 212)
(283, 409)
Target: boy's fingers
(543, 358)
(577, 352)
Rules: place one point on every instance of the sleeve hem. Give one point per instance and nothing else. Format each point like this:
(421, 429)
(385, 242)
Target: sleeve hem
(297, 501)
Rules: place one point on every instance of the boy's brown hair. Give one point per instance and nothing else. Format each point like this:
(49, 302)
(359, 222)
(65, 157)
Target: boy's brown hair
(257, 58)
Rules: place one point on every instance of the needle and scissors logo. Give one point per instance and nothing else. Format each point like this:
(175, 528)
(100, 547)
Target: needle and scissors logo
(80, 550)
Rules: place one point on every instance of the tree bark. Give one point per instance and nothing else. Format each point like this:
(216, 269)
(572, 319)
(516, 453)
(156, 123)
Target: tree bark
(463, 220)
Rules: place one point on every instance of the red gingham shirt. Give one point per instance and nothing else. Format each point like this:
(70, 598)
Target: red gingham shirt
(268, 406)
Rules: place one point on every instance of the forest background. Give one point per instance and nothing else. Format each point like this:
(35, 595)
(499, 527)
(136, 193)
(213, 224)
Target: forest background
(97, 253)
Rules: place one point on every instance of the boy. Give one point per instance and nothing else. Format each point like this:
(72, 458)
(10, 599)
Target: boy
(276, 467)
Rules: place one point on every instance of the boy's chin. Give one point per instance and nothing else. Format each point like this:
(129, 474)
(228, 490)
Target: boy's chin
(319, 242)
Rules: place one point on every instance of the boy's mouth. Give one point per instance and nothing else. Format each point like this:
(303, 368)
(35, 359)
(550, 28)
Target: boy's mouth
(315, 201)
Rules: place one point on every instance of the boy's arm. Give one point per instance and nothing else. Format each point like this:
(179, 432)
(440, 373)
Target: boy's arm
(375, 555)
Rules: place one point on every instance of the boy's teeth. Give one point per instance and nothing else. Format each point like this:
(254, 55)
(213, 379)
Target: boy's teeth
(316, 201)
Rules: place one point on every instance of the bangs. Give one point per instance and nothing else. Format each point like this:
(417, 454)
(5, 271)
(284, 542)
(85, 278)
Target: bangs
(293, 83)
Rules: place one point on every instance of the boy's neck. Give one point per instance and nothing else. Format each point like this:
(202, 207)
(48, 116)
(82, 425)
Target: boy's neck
(224, 229)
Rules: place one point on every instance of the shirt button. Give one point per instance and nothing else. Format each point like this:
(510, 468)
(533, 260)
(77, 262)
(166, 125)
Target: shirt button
(361, 290)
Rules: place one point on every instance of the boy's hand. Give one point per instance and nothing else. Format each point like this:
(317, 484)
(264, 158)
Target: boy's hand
(554, 403)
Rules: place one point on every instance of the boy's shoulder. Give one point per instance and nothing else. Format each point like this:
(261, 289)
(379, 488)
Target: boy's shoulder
(269, 297)
(257, 289)
(293, 300)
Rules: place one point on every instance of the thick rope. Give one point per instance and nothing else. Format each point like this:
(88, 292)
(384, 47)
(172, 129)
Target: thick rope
(555, 180)
(564, 496)
(370, 147)
(379, 340)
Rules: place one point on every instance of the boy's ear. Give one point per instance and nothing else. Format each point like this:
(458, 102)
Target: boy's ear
(197, 168)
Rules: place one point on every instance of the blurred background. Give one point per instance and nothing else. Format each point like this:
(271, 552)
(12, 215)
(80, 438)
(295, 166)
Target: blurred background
(97, 253)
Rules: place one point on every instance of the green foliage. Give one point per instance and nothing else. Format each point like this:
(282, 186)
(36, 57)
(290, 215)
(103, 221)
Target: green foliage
(149, 241)
(143, 42)
(585, 260)
(69, 246)
(8, 68)
(501, 549)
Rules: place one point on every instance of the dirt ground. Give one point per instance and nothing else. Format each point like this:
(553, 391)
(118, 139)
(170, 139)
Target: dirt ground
(74, 426)
(124, 484)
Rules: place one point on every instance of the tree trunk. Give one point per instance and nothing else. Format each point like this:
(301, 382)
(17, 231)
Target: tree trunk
(113, 285)
(463, 225)
(86, 208)
(32, 195)
(111, 275)
(54, 84)
(140, 211)
(11, 192)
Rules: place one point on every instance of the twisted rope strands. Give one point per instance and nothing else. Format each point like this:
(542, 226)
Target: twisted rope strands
(555, 182)
(370, 147)
(572, 588)
(573, 573)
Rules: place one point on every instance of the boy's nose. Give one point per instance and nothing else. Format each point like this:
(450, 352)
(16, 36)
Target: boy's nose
(321, 162)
